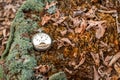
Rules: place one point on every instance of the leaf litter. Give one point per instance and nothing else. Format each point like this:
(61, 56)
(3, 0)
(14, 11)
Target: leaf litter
(85, 39)
(87, 35)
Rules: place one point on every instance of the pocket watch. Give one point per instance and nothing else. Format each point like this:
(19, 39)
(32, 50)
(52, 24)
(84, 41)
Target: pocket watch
(41, 41)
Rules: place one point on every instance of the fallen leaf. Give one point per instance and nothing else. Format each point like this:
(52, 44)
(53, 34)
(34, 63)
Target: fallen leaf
(96, 75)
(4, 33)
(105, 72)
(114, 59)
(82, 27)
(72, 63)
(63, 32)
(81, 61)
(118, 28)
(60, 20)
(53, 3)
(57, 14)
(10, 7)
(91, 13)
(68, 41)
(95, 58)
(100, 31)
(45, 19)
(117, 68)
(43, 68)
(76, 21)
(103, 44)
(92, 23)
(107, 60)
(101, 55)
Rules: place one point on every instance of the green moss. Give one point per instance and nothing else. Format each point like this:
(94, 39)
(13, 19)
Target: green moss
(58, 76)
(1, 72)
(19, 61)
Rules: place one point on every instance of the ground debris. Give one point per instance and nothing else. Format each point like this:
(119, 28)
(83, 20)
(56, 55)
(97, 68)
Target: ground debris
(84, 33)
(85, 36)
(96, 75)
(45, 19)
(114, 58)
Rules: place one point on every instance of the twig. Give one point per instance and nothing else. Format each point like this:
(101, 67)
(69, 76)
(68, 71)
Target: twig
(112, 11)
(117, 23)
(69, 71)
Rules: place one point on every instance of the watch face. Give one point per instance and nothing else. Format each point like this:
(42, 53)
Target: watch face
(41, 41)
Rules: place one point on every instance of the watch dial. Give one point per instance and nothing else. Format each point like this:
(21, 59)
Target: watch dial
(41, 41)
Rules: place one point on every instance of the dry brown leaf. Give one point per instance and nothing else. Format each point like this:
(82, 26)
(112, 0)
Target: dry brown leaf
(100, 32)
(7, 1)
(100, 29)
(96, 75)
(60, 20)
(76, 21)
(43, 68)
(81, 61)
(67, 41)
(63, 32)
(94, 24)
(91, 12)
(10, 7)
(57, 14)
(45, 19)
(118, 28)
(1, 50)
(105, 72)
(101, 55)
(82, 27)
(60, 44)
(53, 3)
(103, 44)
(107, 60)
(95, 58)
(4, 33)
(114, 59)
(117, 68)
(78, 29)
(72, 63)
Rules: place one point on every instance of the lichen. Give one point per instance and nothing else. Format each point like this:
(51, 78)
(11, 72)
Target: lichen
(19, 61)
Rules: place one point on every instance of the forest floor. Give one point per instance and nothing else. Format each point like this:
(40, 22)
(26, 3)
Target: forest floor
(85, 34)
